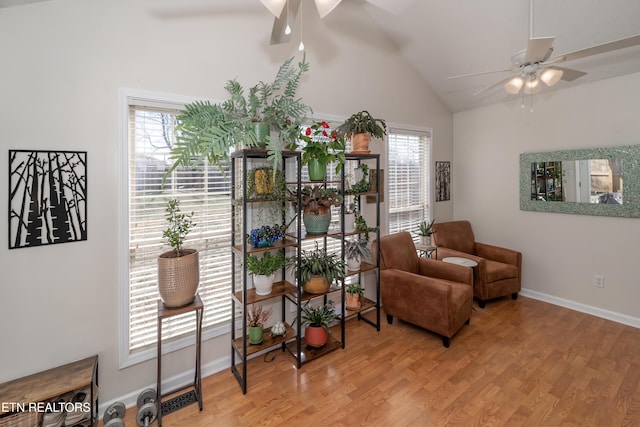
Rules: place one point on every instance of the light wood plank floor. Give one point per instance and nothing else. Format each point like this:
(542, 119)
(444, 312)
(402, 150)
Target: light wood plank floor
(519, 363)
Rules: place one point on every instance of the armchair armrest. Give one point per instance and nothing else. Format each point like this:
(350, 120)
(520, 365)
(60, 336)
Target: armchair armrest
(446, 271)
(496, 253)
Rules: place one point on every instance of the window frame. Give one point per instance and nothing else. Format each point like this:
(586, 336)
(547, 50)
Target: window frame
(418, 131)
(126, 98)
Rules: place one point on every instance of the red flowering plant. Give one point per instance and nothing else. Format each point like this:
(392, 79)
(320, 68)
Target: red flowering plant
(321, 143)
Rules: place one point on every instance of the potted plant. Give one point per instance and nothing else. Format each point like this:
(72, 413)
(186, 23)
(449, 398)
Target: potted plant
(207, 130)
(263, 270)
(178, 269)
(354, 251)
(318, 269)
(321, 147)
(360, 127)
(316, 321)
(354, 293)
(425, 230)
(256, 318)
(363, 185)
(316, 207)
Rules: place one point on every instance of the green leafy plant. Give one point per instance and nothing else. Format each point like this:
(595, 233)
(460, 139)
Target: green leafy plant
(319, 262)
(207, 130)
(426, 228)
(357, 249)
(321, 316)
(257, 315)
(314, 197)
(361, 225)
(355, 288)
(362, 122)
(363, 185)
(180, 225)
(321, 144)
(267, 264)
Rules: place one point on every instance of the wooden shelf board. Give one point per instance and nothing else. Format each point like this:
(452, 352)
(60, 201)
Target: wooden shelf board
(364, 267)
(366, 304)
(310, 353)
(280, 244)
(267, 341)
(279, 288)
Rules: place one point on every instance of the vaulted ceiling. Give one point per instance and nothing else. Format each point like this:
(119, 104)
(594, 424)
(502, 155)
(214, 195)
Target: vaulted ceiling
(445, 38)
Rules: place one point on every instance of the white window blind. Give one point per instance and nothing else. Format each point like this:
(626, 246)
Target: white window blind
(408, 180)
(202, 189)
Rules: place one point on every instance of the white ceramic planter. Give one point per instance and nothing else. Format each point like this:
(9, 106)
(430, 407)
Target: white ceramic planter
(349, 222)
(353, 264)
(263, 284)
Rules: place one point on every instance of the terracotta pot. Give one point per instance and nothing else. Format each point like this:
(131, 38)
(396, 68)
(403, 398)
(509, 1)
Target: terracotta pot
(360, 143)
(316, 336)
(316, 285)
(178, 277)
(352, 301)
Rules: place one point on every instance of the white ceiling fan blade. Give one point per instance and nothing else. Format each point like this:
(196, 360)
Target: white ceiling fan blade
(598, 49)
(538, 49)
(568, 74)
(288, 17)
(479, 74)
(500, 83)
(326, 6)
(395, 7)
(274, 6)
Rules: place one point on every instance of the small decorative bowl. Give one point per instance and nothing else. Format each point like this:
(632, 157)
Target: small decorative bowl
(265, 236)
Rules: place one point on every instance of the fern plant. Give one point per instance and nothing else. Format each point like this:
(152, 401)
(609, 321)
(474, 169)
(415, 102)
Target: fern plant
(207, 130)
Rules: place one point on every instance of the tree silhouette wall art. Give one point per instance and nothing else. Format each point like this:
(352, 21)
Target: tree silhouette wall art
(47, 197)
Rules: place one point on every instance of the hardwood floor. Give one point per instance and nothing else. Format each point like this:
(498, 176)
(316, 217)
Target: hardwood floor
(519, 363)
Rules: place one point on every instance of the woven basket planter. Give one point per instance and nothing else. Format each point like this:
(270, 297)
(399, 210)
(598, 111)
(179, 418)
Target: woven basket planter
(178, 277)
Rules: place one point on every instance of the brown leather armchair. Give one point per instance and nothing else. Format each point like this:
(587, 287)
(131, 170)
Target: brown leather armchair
(499, 270)
(431, 294)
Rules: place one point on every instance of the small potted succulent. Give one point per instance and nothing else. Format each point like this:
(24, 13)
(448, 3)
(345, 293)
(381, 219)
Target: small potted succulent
(316, 321)
(360, 127)
(354, 293)
(179, 268)
(316, 207)
(425, 230)
(257, 316)
(318, 269)
(355, 251)
(263, 270)
(266, 235)
(321, 147)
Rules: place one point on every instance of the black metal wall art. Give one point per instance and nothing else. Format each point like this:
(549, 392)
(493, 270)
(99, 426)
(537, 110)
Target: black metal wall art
(47, 197)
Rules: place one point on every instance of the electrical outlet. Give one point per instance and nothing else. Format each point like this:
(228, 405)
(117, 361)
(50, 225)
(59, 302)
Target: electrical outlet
(598, 281)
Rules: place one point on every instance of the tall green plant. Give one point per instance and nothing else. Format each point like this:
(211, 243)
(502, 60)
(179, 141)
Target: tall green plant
(180, 225)
(207, 130)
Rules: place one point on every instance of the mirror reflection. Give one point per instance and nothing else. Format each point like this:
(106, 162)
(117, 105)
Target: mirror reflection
(580, 181)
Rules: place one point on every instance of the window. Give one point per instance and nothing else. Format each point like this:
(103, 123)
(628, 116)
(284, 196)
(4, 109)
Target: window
(205, 190)
(408, 179)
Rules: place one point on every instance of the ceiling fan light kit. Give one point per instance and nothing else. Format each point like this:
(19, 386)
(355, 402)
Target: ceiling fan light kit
(274, 6)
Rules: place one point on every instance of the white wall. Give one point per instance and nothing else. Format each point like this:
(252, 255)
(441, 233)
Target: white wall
(561, 253)
(62, 64)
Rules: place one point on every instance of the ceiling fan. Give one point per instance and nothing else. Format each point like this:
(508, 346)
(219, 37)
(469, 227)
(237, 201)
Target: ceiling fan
(285, 12)
(533, 66)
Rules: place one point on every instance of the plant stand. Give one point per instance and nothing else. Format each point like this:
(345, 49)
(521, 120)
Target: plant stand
(165, 313)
